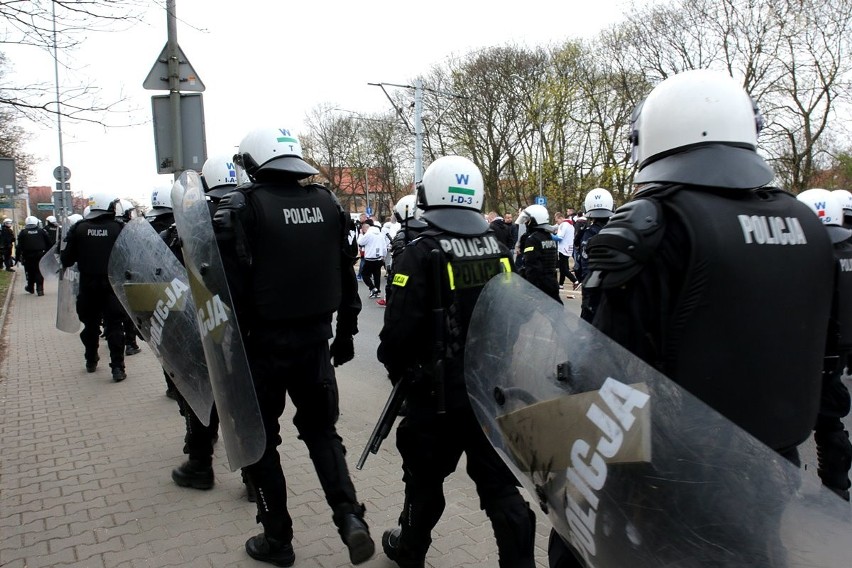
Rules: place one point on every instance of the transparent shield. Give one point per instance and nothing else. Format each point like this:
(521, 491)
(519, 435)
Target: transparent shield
(153, 288)
(230, 376)
(49, 264)
(631, 469)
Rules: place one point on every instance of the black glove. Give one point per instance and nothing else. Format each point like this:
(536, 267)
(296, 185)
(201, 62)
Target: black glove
(342, 349)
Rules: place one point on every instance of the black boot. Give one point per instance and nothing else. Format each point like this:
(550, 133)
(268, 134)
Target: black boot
(271, 550)
(404, 558)
(91, 365)
(118, 374)
(195, 474)
(40, 291)
(29, 288)
(356, 536)
(131, 349)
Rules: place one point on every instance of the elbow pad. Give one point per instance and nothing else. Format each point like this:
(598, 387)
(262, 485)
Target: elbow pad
(621, 249)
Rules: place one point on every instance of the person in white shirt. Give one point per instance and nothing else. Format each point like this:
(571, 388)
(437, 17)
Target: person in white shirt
(375, 248)
(565, 236)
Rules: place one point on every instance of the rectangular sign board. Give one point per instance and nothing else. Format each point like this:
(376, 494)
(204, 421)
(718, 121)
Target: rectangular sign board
(194, 141)
(8, 183)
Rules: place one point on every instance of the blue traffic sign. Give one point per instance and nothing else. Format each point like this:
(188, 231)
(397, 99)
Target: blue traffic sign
(541, 200)
(369, 211)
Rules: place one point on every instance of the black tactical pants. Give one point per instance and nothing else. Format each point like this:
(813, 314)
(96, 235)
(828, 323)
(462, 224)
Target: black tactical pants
(34, 276)
(431, 446)
(306, 374)
(96, 303)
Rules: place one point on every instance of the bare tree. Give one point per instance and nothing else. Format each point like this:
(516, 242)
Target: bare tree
(56, 25)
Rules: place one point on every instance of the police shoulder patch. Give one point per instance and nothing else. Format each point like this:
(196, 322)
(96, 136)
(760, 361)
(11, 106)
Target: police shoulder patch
(400, 280)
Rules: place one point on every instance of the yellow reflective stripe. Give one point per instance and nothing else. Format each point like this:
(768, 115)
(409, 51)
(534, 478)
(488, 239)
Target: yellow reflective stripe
(400, 280)
(452, 278)
(528, 249)
(507, 266)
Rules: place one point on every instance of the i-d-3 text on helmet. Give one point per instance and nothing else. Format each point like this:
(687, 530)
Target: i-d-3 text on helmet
(273, 149)
(698, 127)
(451, 196)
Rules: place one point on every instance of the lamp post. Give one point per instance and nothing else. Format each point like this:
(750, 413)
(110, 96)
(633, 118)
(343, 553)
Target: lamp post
(62, 180)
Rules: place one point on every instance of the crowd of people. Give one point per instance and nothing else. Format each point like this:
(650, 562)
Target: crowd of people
(655, 277)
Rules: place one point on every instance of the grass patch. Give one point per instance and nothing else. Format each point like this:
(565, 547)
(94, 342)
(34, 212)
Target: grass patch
(5, 282)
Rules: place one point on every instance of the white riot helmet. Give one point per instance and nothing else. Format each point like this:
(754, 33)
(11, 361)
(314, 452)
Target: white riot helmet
(51, 219)
(405, 208)
(31, 221)
(161, 203)
(101, 204)
(75, 218)
(219, 174)
(125, 209)
(599, 204)
(535, 216)
(845, 199)
(273, 149)
(7, 221)
(827, 207)
(451, 196)
(698, 127)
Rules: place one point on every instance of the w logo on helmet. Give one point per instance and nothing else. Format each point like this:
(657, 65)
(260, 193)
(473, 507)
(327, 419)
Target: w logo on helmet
(463, 179)
(286, 136)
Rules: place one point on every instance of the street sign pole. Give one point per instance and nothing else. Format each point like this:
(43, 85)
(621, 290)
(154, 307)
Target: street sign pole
(62, 178)
(174, 88)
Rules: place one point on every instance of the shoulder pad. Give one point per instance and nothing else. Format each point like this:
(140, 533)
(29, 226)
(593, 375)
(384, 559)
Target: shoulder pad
(232, 204)
(620, 250)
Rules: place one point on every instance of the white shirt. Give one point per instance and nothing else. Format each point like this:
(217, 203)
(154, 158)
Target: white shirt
(374, 243)
(566, 233)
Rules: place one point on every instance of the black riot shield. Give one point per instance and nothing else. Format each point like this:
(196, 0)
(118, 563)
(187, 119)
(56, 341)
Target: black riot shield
(66, 296)
(154, 290)
(230, 376)
(630, 468)
(49, 264)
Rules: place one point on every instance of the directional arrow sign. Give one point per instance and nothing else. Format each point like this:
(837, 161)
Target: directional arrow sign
(158, 77)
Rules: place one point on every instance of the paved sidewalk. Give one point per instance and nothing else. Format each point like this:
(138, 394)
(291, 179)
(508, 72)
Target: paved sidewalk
(85, 467)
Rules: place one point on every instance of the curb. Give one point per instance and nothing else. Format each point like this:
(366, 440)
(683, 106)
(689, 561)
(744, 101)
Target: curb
(3, 315)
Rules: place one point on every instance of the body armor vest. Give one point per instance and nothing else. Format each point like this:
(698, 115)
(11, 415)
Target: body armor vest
(299, 231)
(746, 334)
(840, 335)
(33, 240)
(549, 250)
(94, 241)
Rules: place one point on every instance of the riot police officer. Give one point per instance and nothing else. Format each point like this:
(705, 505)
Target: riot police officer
(51, 227)
(834, 452)
(33, 242)
(665, 264)
(405, 213)
(540, 250)
(444, 270)
(89, 243)
(161, 216)
(599, 207)
(7, 242)
(219, 178)
(286, 327)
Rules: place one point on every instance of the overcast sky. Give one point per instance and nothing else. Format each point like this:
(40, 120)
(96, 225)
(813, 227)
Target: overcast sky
(268, 64)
